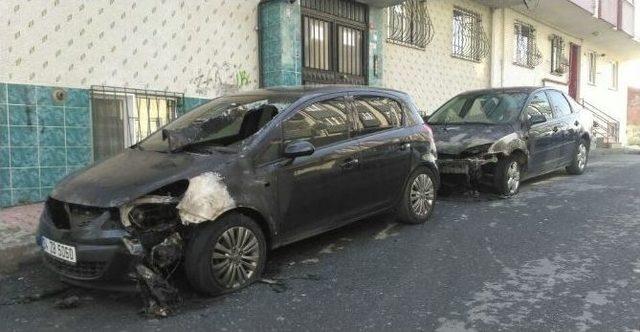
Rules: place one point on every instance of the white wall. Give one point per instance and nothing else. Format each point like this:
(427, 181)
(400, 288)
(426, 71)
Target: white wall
(196, 47)
(432, 76)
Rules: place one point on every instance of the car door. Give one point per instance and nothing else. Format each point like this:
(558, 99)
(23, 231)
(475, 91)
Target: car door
(544, 139)
(315, 192)
(385, 155)
(568, 133)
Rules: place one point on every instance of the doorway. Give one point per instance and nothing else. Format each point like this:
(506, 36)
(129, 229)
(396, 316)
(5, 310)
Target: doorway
(574, 71)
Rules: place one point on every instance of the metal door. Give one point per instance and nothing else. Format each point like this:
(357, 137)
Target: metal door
(334, 39)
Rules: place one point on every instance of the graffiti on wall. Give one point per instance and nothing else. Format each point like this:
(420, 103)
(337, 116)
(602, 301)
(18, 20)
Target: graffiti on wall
(220, 79)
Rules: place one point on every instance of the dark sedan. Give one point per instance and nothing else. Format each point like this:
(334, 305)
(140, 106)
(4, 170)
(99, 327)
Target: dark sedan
(235, 177)
(503, 136)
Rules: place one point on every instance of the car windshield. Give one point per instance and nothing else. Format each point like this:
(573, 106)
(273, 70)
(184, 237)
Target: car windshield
(488, 108)
(221, 123)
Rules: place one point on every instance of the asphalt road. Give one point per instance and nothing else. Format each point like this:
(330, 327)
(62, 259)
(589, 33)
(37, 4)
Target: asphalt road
(563, 255)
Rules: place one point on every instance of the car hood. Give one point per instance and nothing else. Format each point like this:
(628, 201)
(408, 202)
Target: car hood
(454, 139)
(131, 174)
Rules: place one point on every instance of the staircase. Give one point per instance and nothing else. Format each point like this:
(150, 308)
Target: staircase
(605, 127)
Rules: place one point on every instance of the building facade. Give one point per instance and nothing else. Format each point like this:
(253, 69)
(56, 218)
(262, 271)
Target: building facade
(81, 80)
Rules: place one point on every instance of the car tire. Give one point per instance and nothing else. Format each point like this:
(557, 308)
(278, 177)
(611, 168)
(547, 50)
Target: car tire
(508, 173)
(580, 159)
(418, 197)
(214, 261)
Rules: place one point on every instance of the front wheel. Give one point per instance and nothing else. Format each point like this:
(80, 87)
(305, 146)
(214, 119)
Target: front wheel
(418, 197)
(507, 176)
(580, 158)
(225, 254)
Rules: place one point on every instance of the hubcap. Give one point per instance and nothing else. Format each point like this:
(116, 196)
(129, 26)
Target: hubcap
(582, 156)
(422, 195)
(513, 177)
(235, 257)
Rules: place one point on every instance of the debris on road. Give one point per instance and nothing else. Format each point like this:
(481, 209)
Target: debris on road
(68, 302)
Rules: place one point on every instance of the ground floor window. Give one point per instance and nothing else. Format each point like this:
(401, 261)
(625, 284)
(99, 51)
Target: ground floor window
(614, 75)
(469, 41)
(122, 117)
(559, 64)
(526, 51)
(593, 63)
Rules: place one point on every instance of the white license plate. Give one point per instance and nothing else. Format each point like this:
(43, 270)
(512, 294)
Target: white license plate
(59, 250)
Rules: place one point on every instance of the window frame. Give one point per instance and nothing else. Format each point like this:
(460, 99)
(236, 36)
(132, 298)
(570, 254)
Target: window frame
(409, 24)
(353, 114)
(476, 34)
(557, 55)
(528, 103)
(307, 103)
(615, 75)
(592, 70)
(554, 107)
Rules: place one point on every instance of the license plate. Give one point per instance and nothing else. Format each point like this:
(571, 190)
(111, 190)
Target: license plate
(59, 250)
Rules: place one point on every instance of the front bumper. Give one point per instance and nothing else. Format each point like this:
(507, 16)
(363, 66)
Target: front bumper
(101, 256)
(472, 170)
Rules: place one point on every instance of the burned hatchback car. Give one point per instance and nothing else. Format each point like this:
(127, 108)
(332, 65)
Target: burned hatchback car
(500, 137)
(222, 184)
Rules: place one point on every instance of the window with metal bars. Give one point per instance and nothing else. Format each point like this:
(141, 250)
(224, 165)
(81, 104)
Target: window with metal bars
(469, 40)
(593, 62)
(559, 63)
(123, 117)
(614, 75)
(410, 24)
(526, 52)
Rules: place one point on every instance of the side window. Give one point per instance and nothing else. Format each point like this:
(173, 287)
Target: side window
(560, 104)
(372, 114)
(539, 104)
(321, 123)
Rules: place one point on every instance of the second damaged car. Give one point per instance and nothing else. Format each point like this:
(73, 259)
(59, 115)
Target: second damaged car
(500, 137)
(217, 188)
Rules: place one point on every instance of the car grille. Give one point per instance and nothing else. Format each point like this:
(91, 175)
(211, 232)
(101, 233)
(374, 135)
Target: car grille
(81, 270)
(82, 216)
(65, 216)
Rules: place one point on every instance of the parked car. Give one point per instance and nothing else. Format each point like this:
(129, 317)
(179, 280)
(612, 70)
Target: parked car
(237, 176)
(503, 136)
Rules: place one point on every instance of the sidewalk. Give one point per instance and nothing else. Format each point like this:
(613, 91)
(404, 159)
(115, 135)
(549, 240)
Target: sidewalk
(17, 230)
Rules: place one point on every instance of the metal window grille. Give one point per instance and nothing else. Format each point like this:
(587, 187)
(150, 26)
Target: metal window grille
(123, 116)
(469, 41)
(559, 63)
(526, 49)
(410, 24)
(333, 41)
(614, 75)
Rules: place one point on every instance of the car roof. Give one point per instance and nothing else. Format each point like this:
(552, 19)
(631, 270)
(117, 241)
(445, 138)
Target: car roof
(525, 89)
(309, 90)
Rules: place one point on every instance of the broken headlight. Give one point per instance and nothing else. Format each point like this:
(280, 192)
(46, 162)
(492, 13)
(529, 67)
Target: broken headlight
(476, 151)
(150, 212)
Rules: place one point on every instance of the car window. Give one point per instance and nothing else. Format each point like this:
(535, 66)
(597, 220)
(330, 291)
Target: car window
(539, 104)
(372, 114)
(560, 104)
(321, 123)
(481, 107)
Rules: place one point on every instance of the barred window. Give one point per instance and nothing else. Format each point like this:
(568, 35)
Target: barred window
(409, 24)
(559, 63)
(593, 61)
(614, 75)
(469, 40)
(526, 51)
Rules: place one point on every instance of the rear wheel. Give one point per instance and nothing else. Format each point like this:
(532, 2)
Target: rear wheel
(225, 255)
(507, 176)
(419, 197)
(580, 158)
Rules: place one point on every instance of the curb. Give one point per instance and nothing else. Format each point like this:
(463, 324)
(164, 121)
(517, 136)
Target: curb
(12, 257)
(610, 151)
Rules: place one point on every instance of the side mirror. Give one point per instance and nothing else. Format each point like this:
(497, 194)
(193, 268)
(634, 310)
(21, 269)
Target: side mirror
(425, 117)
(537, 118)
(298, 149)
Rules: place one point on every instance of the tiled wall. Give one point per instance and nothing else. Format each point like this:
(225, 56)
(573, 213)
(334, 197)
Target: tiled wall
(280, 29)
(41, 139)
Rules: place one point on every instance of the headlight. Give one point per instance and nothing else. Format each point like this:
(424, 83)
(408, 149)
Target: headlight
(150, 211)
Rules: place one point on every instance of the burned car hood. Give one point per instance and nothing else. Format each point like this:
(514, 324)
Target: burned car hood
(455, 138)
(131, 174)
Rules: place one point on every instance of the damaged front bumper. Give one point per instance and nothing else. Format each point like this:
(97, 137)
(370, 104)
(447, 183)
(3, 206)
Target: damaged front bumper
(472, 170)
(102, 261)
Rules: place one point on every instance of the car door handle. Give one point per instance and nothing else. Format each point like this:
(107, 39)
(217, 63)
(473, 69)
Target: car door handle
(577, 123)
(404, 146)
(555, 129)
(350, 163)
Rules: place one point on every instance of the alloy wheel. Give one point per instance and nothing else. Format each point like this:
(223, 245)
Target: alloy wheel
(513, 177)
(582, 156)
(422, 195)
(235, 257)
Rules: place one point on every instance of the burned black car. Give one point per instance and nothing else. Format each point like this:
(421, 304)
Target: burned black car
(499, 137)
(219, 186)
